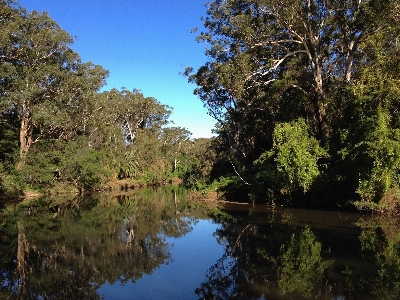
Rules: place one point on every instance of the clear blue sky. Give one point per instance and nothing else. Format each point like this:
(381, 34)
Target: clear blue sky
(144, 44)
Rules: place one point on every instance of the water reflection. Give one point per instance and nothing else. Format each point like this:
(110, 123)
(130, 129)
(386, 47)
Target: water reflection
(154, 244)
(191, 254)
(380, 241)
(70, 253)
(294, 254)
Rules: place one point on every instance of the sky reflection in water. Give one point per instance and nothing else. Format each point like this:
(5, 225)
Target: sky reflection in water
(192, 255)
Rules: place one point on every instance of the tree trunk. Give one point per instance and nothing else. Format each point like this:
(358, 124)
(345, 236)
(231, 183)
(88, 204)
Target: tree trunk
(318, 102)
(25, 137)
(320, 115)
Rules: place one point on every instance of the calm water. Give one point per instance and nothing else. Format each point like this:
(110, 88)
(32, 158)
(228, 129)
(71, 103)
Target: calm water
(154, 244)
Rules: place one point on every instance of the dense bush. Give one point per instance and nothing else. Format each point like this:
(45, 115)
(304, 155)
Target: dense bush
(292, 163)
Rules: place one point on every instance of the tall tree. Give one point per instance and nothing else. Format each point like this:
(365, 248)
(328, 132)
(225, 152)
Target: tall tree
(175, 141)
(40, 74)
(118, 115)
(281, 59)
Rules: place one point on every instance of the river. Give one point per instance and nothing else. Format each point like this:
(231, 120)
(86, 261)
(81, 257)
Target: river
(156, 244)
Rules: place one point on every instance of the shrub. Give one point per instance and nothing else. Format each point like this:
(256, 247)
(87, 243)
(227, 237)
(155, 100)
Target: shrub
(291, 164)
(375, 159)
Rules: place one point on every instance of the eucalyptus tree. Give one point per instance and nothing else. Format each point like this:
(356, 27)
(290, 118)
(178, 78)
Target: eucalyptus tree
(133, 111)
(278, 60)
(43, 79)
(203, 149)
(175, 142)
(129, 125)
(114, 117)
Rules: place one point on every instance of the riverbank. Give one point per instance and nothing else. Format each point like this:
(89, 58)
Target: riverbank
(63, 188)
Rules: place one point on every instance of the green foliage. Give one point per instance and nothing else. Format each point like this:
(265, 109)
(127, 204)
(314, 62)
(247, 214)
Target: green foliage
(374, 160)
(151, 165)
(292, 162)
(334, 65)
(383, 150)
(128, 166)
(12, 183)
(204, 151)
(86, 171)
(230, 187)
(82, 167)
(277, 61)
(65, 131)
(189, 171)
(126, 111)
(10, 179)
(8, 143)
(372, 142)
(45, 82)
(296, 154)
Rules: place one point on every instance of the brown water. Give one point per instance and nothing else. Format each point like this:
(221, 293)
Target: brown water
(154, 244)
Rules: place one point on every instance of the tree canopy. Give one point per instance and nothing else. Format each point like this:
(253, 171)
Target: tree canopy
(333, 64)
(58, 127)
(42, 76)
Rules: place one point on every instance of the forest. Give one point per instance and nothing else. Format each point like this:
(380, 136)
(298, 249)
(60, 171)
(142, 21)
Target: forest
(59, 133)
(305, 94)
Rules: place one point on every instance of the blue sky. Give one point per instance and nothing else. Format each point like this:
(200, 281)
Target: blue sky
(144, 44)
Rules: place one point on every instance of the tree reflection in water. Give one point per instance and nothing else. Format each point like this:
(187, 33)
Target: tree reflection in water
(280, 258)
(380, 241)
(62, 250)
(266, 267)
(301, 267)
(68, 254)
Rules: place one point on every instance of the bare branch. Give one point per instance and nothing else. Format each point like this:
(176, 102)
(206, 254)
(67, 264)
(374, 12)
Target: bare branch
(275, 66)
(241, 178)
